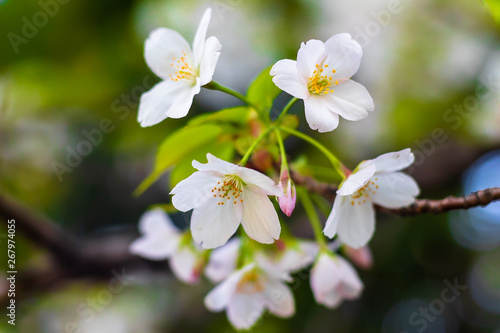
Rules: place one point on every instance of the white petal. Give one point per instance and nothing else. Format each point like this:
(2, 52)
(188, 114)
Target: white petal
(209, 61)
(166, 99)
(351, 284)
(244, 310)
(160, 237)
(356, 180)
(279, 298)
(310, 54)
(350, 100)
(252, 177)
(223, 261)
(318, 116)
(216, 164)
(394, 161)
(213, 224)
(332, 223)
(155, 247)
(195, 190)
(331, 299)
(161, 47)
(156, 221)
(344, 55)
(395, 189)
(218, 299)
(356, 223)
(260, 219)
(286, 78)
(199, 37)
(183, 101)
(185, 265)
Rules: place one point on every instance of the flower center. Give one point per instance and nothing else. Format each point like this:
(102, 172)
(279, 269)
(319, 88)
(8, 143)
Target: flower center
(184, 71)
(363, 193)
(321, 80)
(251, 283)
(229, 189)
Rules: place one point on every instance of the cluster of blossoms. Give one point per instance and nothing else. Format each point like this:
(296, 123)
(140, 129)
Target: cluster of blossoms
(252, 276)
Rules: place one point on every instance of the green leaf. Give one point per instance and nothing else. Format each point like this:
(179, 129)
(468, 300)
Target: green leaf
(263, 91)
(177, 147)
(236, 115)
(223, 150)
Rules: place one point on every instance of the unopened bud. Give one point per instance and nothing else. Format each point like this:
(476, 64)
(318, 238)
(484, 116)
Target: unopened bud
(289, 196)
(361, 257)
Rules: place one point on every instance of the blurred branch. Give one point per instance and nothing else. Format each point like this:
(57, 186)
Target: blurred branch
(73, 257)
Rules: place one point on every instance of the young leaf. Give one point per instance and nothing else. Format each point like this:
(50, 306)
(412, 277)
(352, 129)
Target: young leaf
(236, 115)
(263, 91)
(176, 147)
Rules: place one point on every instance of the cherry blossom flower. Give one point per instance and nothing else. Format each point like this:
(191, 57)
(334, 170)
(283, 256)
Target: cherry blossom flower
(182, 69)
(161, 240)
(333, 280)
(247, 293)
(321, 77)
(223, 195)
(376, 181)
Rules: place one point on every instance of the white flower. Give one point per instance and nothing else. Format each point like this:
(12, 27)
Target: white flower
(247, 293)
(378, 182)
(333, 279)
(223, 261)
(162, 240)
(321, 77)
(223, 195)
(182, 70)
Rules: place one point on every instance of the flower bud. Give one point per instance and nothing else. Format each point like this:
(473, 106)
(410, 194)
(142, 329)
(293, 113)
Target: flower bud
(361, 257)
(289, 196)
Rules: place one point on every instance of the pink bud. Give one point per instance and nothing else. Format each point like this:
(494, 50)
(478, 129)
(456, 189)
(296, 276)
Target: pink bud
(361, 257)
(289, 196)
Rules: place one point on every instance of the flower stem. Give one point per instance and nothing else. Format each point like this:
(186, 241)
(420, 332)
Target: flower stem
(285, 111)
(284, 162)
(216, 86)
(313, 216)
(250, 150)
(339, 167)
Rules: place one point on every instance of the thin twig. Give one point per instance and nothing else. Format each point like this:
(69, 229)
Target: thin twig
(420, 206)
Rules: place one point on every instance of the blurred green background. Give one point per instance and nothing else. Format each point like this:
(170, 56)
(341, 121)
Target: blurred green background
(432, 66)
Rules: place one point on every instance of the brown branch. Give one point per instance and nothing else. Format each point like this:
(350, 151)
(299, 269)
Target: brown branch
(476, 199)
(74, 257)
(420, 206)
